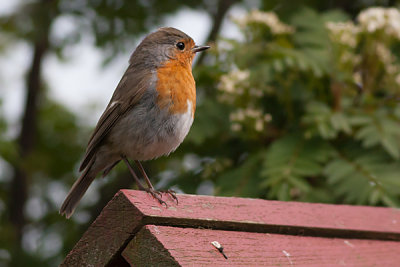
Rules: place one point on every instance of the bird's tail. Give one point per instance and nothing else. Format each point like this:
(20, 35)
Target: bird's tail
(77, 191)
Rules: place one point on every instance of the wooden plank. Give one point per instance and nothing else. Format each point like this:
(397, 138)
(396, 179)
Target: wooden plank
(104, 239)
(257, 215)
(146, 250)
(175, 246)
(130, 210)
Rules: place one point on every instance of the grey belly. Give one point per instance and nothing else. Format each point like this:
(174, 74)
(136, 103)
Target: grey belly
(146, 132)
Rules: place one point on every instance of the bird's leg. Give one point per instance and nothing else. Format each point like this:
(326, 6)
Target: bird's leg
(146, 178)
(139, 184)
(149, 190)
(148, 182)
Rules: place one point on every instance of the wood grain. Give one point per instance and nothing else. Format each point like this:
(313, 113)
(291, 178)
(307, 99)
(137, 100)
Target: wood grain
(129, 211)
(103, 240)
(174, 246)
(257, 215)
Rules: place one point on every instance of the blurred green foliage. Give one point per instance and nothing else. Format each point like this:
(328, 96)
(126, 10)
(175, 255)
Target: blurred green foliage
(314, 107)
(304, 106)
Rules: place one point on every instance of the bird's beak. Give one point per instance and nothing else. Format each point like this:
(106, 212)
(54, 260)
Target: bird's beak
(199, 48)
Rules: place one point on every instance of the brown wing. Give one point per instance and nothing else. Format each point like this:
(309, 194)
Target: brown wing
(127, 94)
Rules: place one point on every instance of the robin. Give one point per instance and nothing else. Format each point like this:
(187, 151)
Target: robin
(149, 114)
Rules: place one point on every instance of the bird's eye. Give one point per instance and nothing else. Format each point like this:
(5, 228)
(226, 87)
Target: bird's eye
(180, 46)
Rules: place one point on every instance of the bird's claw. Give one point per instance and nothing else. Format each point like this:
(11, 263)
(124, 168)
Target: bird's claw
(172, 194)
(157, 195)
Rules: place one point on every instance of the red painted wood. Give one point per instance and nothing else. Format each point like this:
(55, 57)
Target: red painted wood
(130, 210)
(246, 212)
(107, 234)
(192, 247)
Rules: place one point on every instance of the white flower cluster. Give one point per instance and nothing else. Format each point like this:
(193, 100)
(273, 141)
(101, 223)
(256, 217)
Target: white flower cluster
(347, 57)
(386, 21)
(343, 32)
(389, 61)
(241, 116)
(270, 19)
(233, 86)
(387, 58)
(234, 82)
(370, 20)
(397, 79)
(378, 18)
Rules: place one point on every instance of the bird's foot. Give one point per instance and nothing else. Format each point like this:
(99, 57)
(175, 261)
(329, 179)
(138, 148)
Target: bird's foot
(156, 194)
(172, 194)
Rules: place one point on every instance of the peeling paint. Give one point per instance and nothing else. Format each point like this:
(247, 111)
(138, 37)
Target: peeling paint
(287, 256)
(156, 230)
(207, 205)
(348, 243)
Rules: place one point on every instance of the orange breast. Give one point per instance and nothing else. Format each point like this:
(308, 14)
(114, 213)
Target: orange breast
(176, 86)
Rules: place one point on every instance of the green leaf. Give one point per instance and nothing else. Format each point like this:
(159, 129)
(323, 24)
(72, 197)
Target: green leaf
(380, 129)
(363, 177)
(243, 180)
(322, 121)
(340, 122)
(291, 160)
